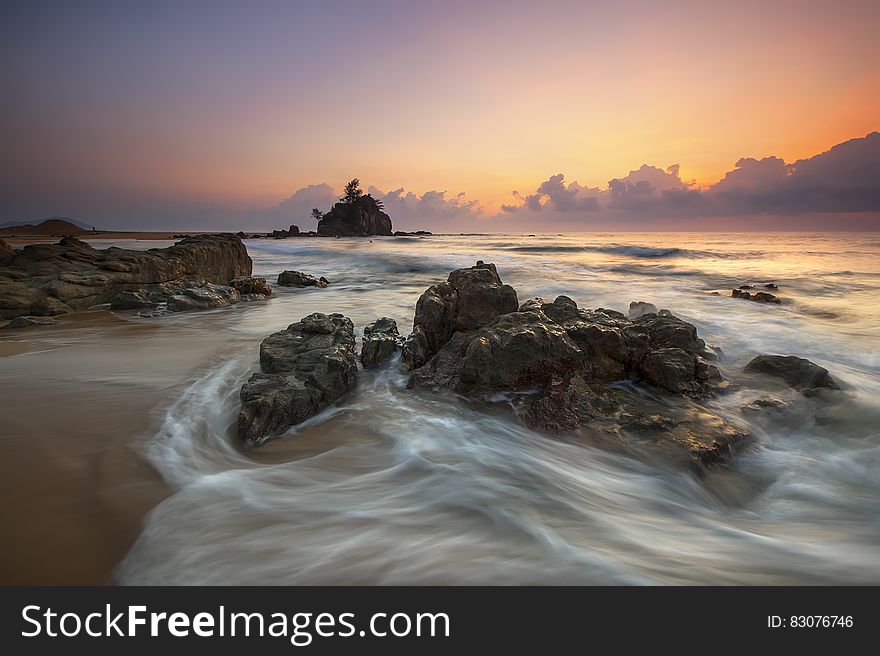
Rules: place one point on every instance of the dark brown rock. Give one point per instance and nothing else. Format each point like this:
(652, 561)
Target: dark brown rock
(798, 373)
(305, 369)
(51, 279)
(300, 279)
(251, 285)
(360, 218)
(381, 341)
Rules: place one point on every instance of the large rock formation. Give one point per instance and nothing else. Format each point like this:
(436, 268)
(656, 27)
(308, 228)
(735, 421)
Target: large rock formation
(571, 363)
(305, 368)
(52, 279)
(359, 218)
(798, 373)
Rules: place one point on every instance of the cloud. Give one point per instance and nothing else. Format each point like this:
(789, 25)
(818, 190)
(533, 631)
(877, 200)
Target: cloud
(845, 179)
(432, 208)
(297, 208)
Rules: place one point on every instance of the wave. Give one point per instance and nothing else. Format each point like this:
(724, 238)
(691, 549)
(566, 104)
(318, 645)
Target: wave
(646, 252)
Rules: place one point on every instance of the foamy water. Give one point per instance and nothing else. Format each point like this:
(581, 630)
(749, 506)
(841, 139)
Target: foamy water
(394, 486)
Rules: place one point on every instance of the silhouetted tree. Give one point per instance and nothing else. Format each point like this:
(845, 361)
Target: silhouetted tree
(378, 202)
(352, 192)
(317, 215)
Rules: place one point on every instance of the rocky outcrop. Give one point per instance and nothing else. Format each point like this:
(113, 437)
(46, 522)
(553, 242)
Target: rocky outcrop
(798, 373)
(640, 308)
(52, 279)
(417, 233)
(469, 299)
(359, 218)
(249, 286)
(757, 297)
(571, 365)
(381, 341)
(304, 369)
(300, 279)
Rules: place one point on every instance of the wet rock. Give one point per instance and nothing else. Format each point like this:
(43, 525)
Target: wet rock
(304, 369)
(25, 322)
(250, 285)
(640, 308)
(798, 373)
(381, 341)
(132, 300)
(771, 285)
(52, 279)
(205, 297)
(763, 405)
(252, 298)
(758, 297)
(684, 433)
(517, 351)
(469, 299)
(5, 249)
(300, 279)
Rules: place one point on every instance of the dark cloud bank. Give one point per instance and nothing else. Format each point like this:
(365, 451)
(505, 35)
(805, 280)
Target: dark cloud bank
(839, 188)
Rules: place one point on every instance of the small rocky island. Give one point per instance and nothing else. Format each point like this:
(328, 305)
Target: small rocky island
(355, 215)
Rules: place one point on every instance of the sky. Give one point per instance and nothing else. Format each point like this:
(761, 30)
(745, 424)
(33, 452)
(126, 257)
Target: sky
(460, 115)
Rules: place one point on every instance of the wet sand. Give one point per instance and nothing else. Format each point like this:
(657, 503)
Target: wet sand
(80, 396)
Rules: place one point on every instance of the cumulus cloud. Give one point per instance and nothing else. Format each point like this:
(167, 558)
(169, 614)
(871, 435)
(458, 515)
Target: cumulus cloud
(844, 179)
(434, 208)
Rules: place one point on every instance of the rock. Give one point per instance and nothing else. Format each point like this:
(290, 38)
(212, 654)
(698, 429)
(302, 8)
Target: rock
(52, 279)
(771, 285)
(360, 218)
(293, 231)
(798, 373)
(205, 297)
(5, 249)
(250, 285)
(300, 279)
(251, 298)
(305, 369)
(517, 351)
(25, 322)
(684, 433)
(640, 309)
(132, 300)
(469, 299)
(765, 404)
(417, 233)
(381, 340)
(758, 297)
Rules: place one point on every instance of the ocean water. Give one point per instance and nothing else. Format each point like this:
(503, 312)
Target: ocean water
(394, 486)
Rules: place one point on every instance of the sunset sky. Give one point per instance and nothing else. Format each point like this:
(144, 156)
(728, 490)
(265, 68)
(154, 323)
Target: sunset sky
(155, 115)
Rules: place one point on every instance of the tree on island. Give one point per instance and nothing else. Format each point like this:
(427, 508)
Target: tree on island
(317, 214)
(353, 191)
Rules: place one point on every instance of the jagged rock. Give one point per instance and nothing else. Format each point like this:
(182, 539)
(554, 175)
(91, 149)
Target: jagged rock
(469, 299)
(300, 279)
(640, 308)
(360, 218)
(765, 404)
(132, 300)
(52, 279)
(798, 373)
(25, 322)
(5, 249)
(251, 298)
(304, 369)
(684, 432)
(381, 340)
(517, 351)
(250, 285)
(293, 231)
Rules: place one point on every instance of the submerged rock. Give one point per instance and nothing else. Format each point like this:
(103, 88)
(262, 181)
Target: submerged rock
(758, 297)
(300, 279)
(798, 373)
(381, 341)
(304, 369)
(52, 279)
(618, 416)
(204, 297)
